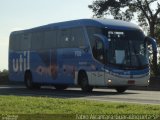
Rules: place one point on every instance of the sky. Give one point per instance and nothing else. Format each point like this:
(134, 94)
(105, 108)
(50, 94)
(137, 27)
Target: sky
(24, 14)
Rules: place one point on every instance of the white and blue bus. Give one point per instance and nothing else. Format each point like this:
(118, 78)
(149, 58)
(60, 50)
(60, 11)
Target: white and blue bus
(86, 52)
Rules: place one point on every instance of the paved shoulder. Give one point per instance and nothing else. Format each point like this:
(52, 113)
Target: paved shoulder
(131, 96)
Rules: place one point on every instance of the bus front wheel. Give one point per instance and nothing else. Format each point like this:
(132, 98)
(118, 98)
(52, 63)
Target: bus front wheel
(84, 84)
(121, 89)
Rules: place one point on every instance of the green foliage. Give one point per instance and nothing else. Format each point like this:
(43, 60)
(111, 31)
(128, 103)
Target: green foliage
(45, 105)
(4, 77)
(154, 72)
(157, 32)
(4, 73)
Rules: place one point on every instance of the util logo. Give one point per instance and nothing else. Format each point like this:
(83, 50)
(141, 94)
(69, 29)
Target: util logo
(21, 63)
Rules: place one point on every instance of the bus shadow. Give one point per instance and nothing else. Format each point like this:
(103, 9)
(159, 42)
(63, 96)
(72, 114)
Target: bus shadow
(53, 93)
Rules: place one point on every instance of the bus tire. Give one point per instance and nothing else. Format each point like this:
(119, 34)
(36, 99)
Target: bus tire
(29, 82)
(84, 83)
(121, 89)
(61, 87)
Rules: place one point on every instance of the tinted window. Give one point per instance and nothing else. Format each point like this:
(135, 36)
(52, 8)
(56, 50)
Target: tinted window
(91, 31)
(71, 38)
(65, 38)
(98, 49)
(78, 37)
(50, 39)
(25, 42)
(15, 42)
(37, 40)
(127, 49)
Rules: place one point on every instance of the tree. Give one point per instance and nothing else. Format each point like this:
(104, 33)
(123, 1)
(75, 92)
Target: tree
(4, 72)
(126, 9)
(147, 15)
(157, 33)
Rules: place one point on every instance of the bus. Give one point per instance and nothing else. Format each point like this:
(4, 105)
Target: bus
(86, 52)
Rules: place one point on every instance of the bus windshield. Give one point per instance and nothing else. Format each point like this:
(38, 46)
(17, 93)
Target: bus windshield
(127, 49)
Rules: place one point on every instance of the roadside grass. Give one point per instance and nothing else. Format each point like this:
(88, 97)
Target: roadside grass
(47, 105)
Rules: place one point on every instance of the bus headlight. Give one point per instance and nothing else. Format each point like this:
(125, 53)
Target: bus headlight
(109, 81)
(148, 81)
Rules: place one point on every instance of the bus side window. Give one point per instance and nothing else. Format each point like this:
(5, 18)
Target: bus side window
(98, 50)
(15, 42)
(71, 38)
(77, 38)
(50, 39)
(64, 38)
(37, 40)
(25, 41)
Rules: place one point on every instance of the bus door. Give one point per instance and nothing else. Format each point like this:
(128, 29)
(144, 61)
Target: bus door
(98, 51)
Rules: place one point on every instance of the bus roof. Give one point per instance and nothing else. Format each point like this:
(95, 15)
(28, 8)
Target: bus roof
(107, 23)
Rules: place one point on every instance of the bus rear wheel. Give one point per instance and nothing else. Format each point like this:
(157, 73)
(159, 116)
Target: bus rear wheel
(29, 83)
(121, 89)
(84, 84)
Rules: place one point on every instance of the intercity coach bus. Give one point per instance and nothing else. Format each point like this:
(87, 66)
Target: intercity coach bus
(86, 52)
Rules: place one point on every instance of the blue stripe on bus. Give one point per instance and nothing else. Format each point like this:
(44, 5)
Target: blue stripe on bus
(129, 72)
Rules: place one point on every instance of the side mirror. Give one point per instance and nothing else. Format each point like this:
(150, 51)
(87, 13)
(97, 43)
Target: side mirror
(104, 39)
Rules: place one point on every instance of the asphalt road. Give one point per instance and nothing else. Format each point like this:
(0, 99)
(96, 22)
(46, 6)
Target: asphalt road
(131, 96)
